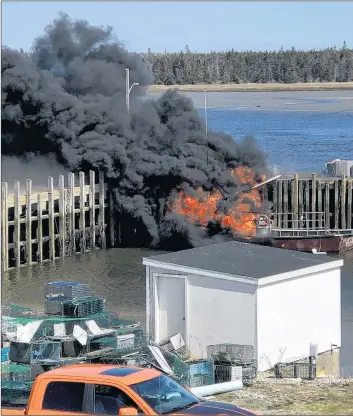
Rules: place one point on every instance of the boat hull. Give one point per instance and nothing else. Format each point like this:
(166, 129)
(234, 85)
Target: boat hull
(328, 244)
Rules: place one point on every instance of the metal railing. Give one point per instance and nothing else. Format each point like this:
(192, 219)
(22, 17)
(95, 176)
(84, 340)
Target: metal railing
(300, 232)
(304, 220)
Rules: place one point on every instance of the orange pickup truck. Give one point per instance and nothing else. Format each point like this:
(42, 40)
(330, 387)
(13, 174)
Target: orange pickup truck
(86, 389)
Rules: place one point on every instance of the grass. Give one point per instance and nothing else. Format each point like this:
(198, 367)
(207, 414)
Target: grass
(315, 86)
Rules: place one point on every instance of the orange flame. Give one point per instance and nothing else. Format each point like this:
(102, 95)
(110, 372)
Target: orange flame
(203, 208)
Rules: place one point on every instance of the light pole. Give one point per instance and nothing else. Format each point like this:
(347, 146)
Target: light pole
(128, 88)
(206, 127)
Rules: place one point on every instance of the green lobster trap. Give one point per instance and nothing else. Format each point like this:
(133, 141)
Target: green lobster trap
(12, 373)
(60, 325)
(16, 383)
(74, 308)
(190, 374)
(46, 352)
(102, 343)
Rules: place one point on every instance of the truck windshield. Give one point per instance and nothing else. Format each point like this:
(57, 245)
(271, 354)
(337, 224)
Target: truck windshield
(164, 395)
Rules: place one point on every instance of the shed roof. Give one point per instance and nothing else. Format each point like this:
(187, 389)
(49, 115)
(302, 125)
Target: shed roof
(243, 260)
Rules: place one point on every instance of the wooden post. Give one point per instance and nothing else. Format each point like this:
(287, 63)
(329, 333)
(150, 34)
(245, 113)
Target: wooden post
(300, 204)
(4, 228)
(295, 201)
(280, 203)
(92, 204)
(307, 205)
(29, 221)
(337, 208)
(82, 213)
(319, 205)
(274, 204)
(343, 202)
(40, 229)
(72, 243)
(62, 216)
(51, 218)
(285, 204)
(17, 229)
(349, 204)
(101, 218)
(111, 219)
(313, 200)
(327, 206)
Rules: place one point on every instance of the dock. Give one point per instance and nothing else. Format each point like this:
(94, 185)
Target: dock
(67, 220)
(312, 202)
(58, 223)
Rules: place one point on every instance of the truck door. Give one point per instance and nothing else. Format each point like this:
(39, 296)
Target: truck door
(62, 398)
(108, 400)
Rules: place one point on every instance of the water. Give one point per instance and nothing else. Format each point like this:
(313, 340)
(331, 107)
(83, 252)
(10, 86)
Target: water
(323, 137)
(321, 129)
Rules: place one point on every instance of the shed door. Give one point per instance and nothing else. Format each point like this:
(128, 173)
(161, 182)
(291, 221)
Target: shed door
(171, 306)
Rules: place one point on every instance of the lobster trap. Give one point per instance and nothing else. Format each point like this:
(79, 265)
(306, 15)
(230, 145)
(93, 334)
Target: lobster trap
(234, 353)
(111, 321)
(296, 370)
(200, 373)
(227, 372)
(16, 384)
(68, 290)
(175, 344)
(36, 352)
(13, 373)
(101, 343)
(74, 308)
(15, 311)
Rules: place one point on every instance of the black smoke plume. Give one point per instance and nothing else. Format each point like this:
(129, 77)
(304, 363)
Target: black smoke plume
(67, 97)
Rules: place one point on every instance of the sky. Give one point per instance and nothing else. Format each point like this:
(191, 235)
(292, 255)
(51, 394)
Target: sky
(203, 26)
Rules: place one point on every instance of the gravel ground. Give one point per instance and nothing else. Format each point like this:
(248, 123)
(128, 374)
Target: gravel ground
(269, 396)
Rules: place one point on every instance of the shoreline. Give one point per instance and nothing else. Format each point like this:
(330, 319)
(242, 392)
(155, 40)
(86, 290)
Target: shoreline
(315, 86)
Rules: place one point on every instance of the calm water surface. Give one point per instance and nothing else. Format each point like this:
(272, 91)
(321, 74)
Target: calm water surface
(321, 129)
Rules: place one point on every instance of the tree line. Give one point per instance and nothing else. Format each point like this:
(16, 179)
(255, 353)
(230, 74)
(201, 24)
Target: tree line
(283, 66)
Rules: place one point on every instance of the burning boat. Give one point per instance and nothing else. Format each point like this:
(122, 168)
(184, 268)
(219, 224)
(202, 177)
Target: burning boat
(249, 218)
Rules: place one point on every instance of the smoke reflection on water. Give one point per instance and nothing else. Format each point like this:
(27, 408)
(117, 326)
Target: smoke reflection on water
(119, 276)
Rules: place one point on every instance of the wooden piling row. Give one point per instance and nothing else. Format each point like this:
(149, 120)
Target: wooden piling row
(38, 227)
(313, 202)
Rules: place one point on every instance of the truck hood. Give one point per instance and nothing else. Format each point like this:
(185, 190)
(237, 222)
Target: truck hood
(215, 408)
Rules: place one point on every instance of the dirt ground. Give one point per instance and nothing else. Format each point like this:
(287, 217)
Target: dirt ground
(323, 396)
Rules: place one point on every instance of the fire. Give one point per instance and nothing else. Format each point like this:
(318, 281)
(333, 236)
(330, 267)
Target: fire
(203, 208)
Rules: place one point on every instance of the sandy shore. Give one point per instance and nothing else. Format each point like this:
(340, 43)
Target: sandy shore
(315, 86)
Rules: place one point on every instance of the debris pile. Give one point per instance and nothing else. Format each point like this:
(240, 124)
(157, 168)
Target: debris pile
(74, 328)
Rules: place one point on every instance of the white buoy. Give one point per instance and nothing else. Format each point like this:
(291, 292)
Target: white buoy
(314, 251)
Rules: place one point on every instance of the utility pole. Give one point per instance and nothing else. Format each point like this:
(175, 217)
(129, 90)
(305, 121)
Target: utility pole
(206, 127)
(128, 88)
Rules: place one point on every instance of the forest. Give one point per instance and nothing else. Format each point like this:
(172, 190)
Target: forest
(283, 66)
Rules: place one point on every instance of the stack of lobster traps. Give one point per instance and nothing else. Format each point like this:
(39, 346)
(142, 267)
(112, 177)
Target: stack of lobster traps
(74, 328)
(233, 362)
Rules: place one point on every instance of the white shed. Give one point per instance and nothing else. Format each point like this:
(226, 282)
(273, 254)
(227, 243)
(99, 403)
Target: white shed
(277, 300)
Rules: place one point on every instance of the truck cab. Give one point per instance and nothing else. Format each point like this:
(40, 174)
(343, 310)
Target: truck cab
(88, 389)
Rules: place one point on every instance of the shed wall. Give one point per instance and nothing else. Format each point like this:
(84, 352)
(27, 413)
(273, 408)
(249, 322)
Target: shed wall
(218, 311)
(295, 313)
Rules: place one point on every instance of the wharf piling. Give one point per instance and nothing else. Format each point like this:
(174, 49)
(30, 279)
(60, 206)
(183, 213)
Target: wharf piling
(313, 202)
(60, 222)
